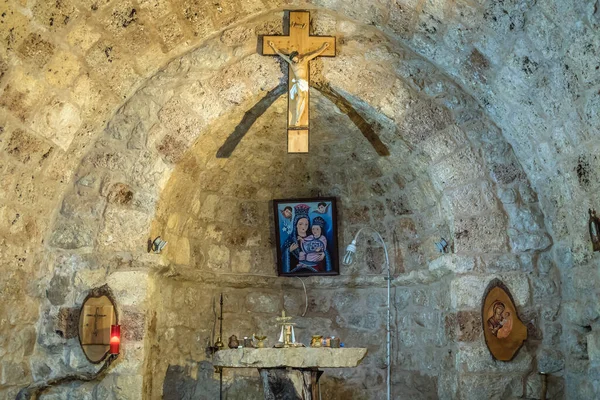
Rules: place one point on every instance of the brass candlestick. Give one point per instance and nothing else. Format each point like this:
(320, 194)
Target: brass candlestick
(219, 344)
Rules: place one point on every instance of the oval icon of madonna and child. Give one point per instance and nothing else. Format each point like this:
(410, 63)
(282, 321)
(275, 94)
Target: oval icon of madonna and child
(499, 320)
(503, 330)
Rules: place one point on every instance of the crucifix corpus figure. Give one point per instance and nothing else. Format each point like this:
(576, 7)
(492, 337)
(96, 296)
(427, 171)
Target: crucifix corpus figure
(299, 90)
(297, 49)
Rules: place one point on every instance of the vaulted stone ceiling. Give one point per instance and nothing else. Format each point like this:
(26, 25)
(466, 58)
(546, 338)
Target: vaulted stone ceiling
(94, 91)
(67, 66)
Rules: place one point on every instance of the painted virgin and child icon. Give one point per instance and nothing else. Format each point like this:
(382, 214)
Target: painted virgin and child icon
(504, 332)
(306, 237)
(500, 322)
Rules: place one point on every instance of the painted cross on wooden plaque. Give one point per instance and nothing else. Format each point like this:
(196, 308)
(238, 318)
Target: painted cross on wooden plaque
(96, 324)
(96, 332)
(297, 50)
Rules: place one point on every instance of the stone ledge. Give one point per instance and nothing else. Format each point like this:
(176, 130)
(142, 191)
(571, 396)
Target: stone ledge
(421, 277)
(291, 357)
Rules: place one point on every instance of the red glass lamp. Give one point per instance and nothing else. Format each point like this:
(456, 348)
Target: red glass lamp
(115, 339)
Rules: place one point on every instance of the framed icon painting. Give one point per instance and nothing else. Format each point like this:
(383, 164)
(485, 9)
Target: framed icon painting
(306, 236)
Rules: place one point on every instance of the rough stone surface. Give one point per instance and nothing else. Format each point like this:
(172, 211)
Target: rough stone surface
(551, 361)
(478, 386)
(469, 326)
(67, 323)
(135, 323)
(128, 294)
(477, 358)
(467, 290)
(593, 345)
(58, 289)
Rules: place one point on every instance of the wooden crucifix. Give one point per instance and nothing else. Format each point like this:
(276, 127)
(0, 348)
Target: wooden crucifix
(297, 49)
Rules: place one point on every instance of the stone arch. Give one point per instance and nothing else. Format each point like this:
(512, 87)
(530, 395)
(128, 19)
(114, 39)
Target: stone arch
(130, 130)
(444, 32)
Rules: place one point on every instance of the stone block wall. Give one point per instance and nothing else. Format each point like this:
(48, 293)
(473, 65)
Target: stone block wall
(186, 326)
(57, 348)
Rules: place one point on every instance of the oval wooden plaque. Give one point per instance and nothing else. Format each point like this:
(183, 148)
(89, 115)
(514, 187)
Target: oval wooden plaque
(98, 313)
(503, 330)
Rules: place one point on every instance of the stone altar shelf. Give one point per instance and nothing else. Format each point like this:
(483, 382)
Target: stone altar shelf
(290, 373)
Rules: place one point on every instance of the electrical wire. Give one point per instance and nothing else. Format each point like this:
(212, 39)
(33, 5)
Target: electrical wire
(305, 296)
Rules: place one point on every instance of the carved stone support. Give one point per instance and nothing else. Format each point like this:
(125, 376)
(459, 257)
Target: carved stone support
(290, 383)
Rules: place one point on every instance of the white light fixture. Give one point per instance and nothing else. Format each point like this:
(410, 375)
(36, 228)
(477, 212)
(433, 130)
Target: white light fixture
(348, 259)
(158, 244)
(442, 245)
(350, 252)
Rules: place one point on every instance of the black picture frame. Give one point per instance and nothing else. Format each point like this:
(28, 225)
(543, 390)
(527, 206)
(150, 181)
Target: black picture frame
(308, 255)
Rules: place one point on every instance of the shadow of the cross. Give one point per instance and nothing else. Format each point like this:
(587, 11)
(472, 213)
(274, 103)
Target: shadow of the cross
(248, 120)
(336, 98)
